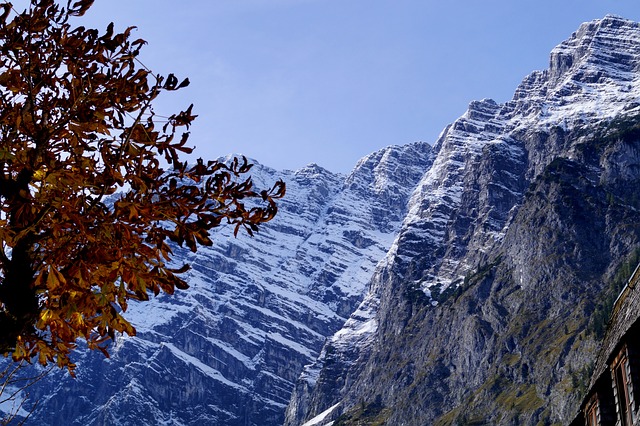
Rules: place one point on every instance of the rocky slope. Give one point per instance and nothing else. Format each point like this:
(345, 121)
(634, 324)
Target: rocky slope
(228, 350)
(483, 311)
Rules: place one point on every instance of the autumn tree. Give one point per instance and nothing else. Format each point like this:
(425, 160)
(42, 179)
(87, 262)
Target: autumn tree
(93, 193)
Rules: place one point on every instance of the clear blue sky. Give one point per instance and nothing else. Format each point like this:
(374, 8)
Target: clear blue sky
(290, 82)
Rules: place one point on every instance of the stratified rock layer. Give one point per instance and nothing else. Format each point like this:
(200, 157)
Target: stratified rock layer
(228, 350)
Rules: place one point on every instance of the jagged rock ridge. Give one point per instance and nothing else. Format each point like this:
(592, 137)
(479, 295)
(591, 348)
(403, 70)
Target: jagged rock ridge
(480, 312)
(229, 349)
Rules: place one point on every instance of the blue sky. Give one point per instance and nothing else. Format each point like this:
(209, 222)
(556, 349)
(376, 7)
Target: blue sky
(291, 82)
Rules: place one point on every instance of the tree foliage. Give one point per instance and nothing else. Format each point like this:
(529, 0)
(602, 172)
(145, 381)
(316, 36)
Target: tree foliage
(92, 188)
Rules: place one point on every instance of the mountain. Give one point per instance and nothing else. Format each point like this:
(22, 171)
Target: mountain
(487, 307)
(468, 283)
(228, 350)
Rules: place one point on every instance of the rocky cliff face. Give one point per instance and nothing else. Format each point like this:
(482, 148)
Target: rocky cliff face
(228, 350)
(482, 311)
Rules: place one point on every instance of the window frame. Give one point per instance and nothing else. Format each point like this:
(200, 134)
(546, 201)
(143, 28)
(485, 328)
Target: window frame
(592, 416)
(621, 384)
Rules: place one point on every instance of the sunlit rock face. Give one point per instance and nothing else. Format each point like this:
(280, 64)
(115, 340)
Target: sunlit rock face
(228, 350)
(482, 311)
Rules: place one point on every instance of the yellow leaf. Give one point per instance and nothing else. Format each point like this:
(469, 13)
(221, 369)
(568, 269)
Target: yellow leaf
(55, 279)
(45, 316)
(52, 281)
(77, 319)
(39, 174)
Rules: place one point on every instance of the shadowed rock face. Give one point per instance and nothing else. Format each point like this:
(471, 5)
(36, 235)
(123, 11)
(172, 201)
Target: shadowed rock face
(481, 311)
(229, 349)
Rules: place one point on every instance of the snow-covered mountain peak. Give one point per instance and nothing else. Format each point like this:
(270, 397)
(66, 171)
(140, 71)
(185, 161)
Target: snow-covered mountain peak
(389, 170)
(591, 75)
(611, 42)
(313, 169)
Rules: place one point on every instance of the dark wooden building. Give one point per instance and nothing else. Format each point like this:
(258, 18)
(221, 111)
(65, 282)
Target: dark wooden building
(613, 398)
